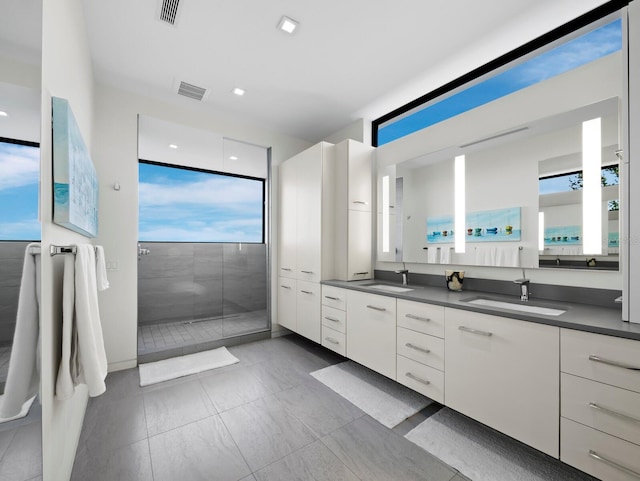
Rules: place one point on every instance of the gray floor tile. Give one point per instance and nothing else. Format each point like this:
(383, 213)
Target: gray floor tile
(132, 462)
(111, 424)
(265, 431)
(318, 407)
(251, 477)
(6, 436)
(313, 462)
(203, 450)
(23, 457)
(374, 452)
(233, 387)
(280, 374)
(175, 406)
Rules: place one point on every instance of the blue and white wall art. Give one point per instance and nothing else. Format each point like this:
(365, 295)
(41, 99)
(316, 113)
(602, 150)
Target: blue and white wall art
(497, 225)
(75, 183)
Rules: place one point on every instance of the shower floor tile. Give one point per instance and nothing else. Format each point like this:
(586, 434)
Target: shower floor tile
(168, 335)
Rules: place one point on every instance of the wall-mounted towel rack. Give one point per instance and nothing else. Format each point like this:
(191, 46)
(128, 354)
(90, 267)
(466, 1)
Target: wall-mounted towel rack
(55, 250)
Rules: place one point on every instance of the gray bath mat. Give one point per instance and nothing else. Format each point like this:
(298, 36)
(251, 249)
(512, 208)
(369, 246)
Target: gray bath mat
(381, 398)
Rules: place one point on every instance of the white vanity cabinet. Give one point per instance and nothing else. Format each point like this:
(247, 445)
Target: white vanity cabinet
(505, 374)
(371, 333)
(353, 214)
(334, 319)
(600, 404)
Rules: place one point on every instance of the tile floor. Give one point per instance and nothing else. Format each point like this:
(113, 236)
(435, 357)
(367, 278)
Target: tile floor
(21, 447)
(262, 419)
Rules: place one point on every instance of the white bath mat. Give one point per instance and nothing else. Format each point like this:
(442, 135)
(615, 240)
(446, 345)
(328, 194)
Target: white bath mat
(482, 454)
(159, 371)
(23, 412)
(381, 398)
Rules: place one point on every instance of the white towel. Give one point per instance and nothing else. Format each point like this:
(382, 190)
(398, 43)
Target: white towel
(445, 255)
(86, 363)
(23, 378)
(485, 256)
(101, 269)
(433, 255)
(508, 256)
(68, 368)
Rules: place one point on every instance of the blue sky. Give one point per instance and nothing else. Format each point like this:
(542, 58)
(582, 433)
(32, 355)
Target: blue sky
(579, 51)
(178, 205)
(20, 167)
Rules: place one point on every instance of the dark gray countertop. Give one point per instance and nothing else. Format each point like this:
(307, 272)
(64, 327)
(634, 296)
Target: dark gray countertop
(582, 317)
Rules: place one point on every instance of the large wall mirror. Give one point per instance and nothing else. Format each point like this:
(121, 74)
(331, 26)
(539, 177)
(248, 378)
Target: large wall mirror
(527, 195)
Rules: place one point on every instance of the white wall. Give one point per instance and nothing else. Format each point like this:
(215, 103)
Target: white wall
(66, 73)
(115, 141)
(358, 130)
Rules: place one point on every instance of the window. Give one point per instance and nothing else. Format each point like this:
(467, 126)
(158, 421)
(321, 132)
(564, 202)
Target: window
(502, 77)
(20, 167)
(180, 204)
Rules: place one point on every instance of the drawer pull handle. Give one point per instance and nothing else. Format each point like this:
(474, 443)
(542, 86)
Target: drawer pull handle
(307, 272)
(332, 298)
(285, 269)
(613, 413)
(417, 348)
(475, 331)
(331, 340)
(332, 319)
(417, 318)
(613, 363)
(306, 292)
(416, 378)
(361, 202)
(360, 273)
(375, 308)
(613, 464)
(286, 287)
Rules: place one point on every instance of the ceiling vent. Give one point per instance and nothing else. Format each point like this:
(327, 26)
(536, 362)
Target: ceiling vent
(191, 91)
(169, 11)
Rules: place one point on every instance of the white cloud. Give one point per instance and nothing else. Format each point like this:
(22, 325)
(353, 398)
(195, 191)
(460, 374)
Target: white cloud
(19, 166)
(20, 230)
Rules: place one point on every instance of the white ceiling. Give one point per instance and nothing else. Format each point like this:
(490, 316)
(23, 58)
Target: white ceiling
(348, 59)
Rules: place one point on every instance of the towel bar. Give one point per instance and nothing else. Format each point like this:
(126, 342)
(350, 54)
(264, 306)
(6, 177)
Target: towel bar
(55, 250)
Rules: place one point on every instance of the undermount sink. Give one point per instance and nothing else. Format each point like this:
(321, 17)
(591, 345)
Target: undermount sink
(384, 287)
(514, 306)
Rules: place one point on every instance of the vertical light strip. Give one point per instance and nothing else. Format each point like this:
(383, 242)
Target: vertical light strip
(385, 213)
(541, 231)
(591, 188)
(459, 203)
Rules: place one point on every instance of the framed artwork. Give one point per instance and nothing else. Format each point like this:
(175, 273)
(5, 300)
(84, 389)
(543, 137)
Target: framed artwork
(75, 183)
(563, 235)
(497, 225)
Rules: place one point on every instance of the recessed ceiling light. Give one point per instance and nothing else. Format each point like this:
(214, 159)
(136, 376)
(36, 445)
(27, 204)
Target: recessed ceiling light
(233, 157)
(238, 91)
(173, 146)
(3, 114)
(287, 24)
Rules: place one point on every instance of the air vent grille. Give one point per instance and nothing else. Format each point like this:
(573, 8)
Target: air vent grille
(169, 11)
(191, 91)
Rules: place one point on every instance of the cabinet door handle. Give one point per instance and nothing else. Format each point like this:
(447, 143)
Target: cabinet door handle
(361, 202)
(306, 292)
(475, 331)
(613, 413)
(331, 340)
(613, 363)
(285, 269)
(417, 318)
(307, 272)
(332, 319)
(417, 378)
(332, 298)
(417, 348)
(613, 464)
(375, 308)
(360, 273)
(286, 287)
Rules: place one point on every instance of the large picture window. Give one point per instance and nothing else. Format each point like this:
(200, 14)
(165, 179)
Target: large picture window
(20, 167)
(180, 204)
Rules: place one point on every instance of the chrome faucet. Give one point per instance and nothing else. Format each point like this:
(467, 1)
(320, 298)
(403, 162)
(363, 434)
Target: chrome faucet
(405, 275)
(524, 287)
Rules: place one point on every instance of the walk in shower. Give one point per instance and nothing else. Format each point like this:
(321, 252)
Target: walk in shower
(204, 251)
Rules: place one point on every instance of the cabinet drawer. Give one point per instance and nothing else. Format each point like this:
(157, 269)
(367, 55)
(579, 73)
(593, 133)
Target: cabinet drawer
(334, 340)
(606, 408)
(420, 347)
(421, 317)
(334, 297)
(578, 441)
(607, 359)
(421, 378)
(334, 319)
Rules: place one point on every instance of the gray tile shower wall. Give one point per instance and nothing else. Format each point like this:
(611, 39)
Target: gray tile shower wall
(11, 260)
(185, 281)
